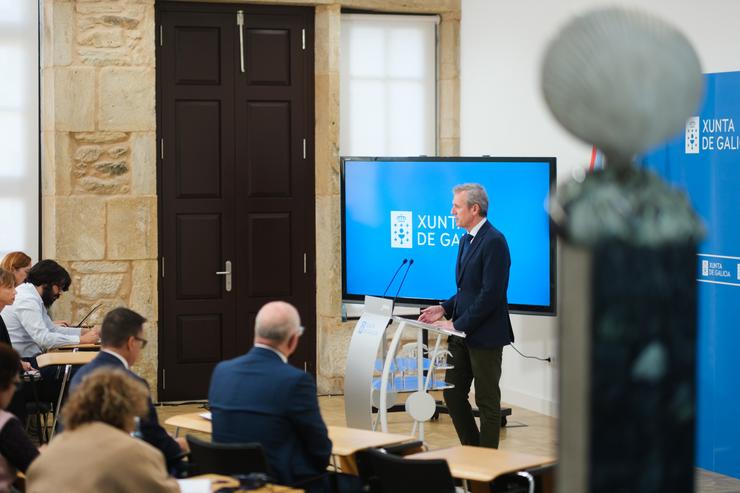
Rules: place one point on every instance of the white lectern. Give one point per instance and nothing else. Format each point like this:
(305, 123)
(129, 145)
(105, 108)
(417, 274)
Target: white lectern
(363, 349)
(366, 341)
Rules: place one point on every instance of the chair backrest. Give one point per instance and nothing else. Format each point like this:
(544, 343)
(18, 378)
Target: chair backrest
(388, 473)
(226, 458)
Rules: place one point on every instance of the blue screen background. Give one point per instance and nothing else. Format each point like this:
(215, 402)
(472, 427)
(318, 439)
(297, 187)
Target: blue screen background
(517, 194)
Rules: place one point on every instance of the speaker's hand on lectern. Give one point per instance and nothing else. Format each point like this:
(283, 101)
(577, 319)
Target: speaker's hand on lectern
(431, 314)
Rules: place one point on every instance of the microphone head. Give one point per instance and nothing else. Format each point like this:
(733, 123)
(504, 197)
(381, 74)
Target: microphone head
(411, 261)
(406, 260)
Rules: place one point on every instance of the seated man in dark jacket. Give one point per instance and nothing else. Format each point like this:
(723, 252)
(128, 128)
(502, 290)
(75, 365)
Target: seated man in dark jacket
(260, 397)
(122, 342)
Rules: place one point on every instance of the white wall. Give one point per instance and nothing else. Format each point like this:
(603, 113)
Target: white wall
(503, 113)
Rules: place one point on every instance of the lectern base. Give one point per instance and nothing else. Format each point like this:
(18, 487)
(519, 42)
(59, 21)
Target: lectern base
(442, 409)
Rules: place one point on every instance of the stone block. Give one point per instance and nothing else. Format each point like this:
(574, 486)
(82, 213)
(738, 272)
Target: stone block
(62, 151)
(144, 163)
(99, 137)
(126, 99)
(48, 226)
(100, 267)
(101, 37)
(327, 134)
(81, 235)
(327, 22)
(48, 114)
(142, 41)
(58, 27)
(101, 57)
(96, 286)
(73, 97)
(48, 165)
(328, 257)
(131, 228)
(144, 288)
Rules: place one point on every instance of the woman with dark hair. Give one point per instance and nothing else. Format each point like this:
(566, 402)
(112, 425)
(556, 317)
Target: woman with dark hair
(16, 450)
(98, 421)
(18, 264)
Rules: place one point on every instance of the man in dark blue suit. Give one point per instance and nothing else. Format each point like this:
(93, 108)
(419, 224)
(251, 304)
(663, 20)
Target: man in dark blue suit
(121, 343)
(259, 397)
(481, 310)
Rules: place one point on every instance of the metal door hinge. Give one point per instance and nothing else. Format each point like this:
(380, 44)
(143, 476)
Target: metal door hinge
(303, 38)
(304, 148)
(162, 267)
(161, 149)
(161, 35)
(305, 263)
(164, 379)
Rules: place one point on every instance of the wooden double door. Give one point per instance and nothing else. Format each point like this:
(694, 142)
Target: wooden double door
(235, 182)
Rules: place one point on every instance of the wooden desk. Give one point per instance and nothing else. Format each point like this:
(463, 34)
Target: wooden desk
(482, 465)
(219, 481)
(190, 421)
(347, 441)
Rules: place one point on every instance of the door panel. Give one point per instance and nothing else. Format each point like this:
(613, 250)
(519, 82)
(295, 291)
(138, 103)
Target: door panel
(198, 149)
(234, 183)
(268, 159)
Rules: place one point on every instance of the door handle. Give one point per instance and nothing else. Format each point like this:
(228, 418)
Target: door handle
(226, 273)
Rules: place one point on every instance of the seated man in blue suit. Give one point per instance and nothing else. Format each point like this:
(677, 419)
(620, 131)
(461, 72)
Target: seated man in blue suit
(259, 397)
(121, 343)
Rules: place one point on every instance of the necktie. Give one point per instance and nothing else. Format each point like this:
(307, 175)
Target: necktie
(465, 240)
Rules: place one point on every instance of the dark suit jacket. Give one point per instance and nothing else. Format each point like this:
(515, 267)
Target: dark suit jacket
(4, 336)
(480, 307)
(258, 398)
(151, 430)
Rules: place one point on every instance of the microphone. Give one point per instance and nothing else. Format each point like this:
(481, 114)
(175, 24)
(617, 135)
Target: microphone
(394, 276)
(403, 279)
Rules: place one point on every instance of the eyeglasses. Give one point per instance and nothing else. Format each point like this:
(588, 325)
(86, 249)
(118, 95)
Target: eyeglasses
(300, 330)
(143, 341)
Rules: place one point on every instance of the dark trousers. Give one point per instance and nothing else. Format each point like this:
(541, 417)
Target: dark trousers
(483, 365)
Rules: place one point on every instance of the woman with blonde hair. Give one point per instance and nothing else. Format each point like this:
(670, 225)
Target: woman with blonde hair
(18, 264)
(96, 452)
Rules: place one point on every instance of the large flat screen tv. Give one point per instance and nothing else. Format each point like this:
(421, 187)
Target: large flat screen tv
(399, 208)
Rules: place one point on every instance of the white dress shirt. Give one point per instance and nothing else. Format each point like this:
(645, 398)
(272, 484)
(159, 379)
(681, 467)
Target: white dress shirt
(121, 358)
(29, 326)
(475, 229)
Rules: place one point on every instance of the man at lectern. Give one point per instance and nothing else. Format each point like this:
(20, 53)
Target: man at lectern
(480, 309)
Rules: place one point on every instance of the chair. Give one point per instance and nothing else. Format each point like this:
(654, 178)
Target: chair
(387, 473)
(535, 480)
(226, 458)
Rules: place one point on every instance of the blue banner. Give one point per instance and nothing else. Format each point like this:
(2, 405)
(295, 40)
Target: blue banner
(705, 162)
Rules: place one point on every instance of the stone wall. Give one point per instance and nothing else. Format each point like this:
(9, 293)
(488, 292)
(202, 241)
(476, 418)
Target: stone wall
(99, 202)
(99, 205)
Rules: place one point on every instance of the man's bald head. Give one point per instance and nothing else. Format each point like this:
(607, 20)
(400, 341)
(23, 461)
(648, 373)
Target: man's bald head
(276, 322)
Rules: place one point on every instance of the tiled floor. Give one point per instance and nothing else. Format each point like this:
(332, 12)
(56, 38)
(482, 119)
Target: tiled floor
(527, 431)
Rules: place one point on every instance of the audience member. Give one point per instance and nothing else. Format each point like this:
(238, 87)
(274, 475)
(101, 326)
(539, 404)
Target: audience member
(96, 451)
(17, 405)
(259, 397)
(122, 342)
(29, 325)
(16, 449)
(18, 264)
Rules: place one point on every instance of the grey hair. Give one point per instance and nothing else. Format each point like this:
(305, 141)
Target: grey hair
(276, 321)
(476, 196)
